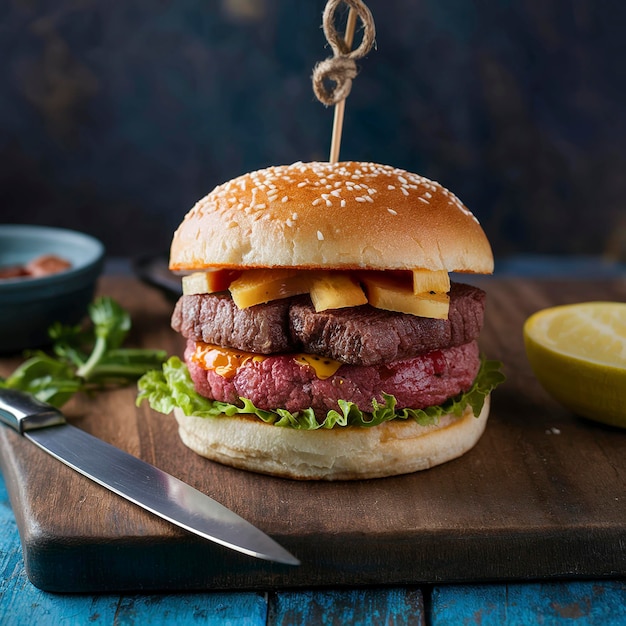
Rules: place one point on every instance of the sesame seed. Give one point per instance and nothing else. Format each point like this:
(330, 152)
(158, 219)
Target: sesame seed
(360, 199)
(405, 191)
(423, 200)
(392, 212)
(285, 199)
(343, 202)
(368, 198)
(316, 201)
(403, 180)
(294, 216)
(320, 236)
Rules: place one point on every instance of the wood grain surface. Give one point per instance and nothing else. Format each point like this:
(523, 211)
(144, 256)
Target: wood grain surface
(541, 495)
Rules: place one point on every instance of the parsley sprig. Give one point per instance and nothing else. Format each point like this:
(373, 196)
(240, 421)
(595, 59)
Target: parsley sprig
(85, 359)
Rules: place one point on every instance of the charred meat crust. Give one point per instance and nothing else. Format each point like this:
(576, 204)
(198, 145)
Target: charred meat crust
(214, 318)
(360, 335)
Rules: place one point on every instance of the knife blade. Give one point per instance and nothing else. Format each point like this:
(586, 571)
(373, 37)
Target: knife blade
(134, 479)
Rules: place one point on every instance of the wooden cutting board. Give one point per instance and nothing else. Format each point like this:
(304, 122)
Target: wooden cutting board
(542, 495)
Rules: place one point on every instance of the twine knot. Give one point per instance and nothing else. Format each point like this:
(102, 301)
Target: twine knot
(341, 68)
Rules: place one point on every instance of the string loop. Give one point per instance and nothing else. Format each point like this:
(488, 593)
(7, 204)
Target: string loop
(341, 68)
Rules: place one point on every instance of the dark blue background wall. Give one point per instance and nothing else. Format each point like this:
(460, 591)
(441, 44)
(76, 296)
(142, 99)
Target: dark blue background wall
(115, 117)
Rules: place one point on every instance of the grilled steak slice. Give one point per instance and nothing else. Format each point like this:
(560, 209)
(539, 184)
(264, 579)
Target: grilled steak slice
(366, 335)
(280, 381)
(215, 318)
(359, 336)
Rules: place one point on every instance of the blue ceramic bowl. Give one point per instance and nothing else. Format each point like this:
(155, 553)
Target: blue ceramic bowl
(28, 306)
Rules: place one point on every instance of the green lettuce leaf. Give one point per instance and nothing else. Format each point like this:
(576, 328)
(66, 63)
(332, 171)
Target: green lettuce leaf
(172, 388)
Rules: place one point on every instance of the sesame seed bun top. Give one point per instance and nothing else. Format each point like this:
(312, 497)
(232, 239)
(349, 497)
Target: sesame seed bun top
(346, 215)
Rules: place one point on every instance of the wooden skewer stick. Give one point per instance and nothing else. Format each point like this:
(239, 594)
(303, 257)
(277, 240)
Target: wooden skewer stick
(341, 105)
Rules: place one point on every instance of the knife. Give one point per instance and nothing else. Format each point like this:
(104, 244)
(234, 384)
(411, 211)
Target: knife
(134, 479)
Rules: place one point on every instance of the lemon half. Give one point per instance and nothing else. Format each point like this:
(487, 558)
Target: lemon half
(578, 354)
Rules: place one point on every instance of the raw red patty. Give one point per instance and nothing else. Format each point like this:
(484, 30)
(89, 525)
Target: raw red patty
(279, 381)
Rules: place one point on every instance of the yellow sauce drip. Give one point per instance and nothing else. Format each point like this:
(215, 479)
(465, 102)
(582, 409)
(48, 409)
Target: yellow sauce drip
(226, 361)
(223, 361)
(324, 368)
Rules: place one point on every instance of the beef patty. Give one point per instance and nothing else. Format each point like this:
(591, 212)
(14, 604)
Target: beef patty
(360, 335)
(280, 381)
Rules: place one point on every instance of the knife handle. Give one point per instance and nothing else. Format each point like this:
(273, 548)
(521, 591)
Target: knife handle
(22, 411)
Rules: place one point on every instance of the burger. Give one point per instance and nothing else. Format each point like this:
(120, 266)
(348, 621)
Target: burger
(324, 336)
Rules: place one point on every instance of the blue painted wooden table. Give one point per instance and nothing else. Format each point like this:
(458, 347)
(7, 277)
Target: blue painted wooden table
(597, 603)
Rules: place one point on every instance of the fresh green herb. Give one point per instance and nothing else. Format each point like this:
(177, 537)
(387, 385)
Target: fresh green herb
(85, 359)
(172, 387)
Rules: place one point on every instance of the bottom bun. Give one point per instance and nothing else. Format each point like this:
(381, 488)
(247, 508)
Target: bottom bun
(350, 453)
